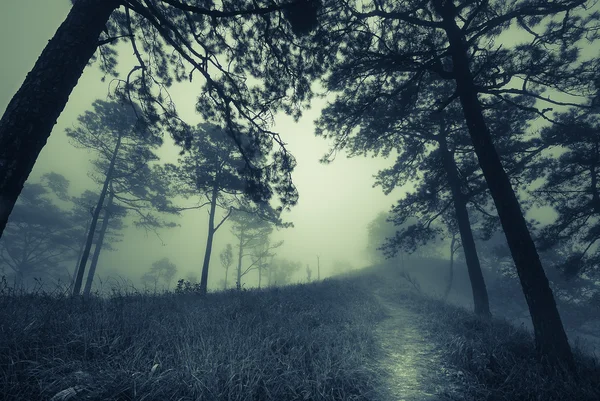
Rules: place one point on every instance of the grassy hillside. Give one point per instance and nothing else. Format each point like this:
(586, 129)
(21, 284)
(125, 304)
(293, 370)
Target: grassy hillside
(304, 342)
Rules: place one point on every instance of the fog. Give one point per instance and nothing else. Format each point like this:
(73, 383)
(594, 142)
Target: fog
(337, 201)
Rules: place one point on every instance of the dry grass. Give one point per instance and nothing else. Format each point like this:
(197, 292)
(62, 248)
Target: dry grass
(306, 342)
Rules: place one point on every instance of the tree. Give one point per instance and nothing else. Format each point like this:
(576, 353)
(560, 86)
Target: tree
(40, 234)
(262, 256)
(212, 172)
(252, 231)
(171, 40)
(125, 147)
(281, 271)
(82, 214)
(226, 257)
(413, 44)
(114, 214)
(162, 271)
(571, 188)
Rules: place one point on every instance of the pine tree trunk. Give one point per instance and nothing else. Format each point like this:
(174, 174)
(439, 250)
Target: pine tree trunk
(480, 296)
(226, 273)
(80, 253)
(318, 269)
(34, 109)
(550, 338)
(259, 277)
(91, 273)
(96, 215)
(238, 284)
(209, 241)
(451, 269)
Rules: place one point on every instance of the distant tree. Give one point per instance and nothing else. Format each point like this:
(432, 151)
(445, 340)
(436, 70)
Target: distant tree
(212, 172)
(226, 257)
(162, 272)
(40, 235)
(252, 231)
(308, 273)
(82, 213)
(281, 272)
(261, 257)
(171, 40)
(125, 148)
(454, 246)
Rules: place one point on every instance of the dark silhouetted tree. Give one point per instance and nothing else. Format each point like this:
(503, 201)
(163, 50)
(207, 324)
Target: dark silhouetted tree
(211, 172)
(125, 149)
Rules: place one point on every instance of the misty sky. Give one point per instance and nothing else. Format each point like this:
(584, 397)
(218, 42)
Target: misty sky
(337, 201)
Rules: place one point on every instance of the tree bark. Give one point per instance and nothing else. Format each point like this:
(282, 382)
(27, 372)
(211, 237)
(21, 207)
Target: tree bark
(80, 253)
(550, 338)
(480, 296)
(34, 109)
(238, 284)
(91, 273)
(318, 268)
(259, 276)
(209, 240)
(91, 232)
(451, 268)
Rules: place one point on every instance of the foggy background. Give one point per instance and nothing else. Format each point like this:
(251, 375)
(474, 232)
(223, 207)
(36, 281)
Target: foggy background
(337, 201)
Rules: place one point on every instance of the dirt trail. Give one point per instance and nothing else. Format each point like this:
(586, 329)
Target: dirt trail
(414, 366)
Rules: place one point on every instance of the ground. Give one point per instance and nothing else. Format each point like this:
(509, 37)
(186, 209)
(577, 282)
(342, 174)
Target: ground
(413, 363)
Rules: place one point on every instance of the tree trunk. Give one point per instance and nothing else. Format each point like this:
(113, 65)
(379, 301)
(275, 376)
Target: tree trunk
(80, 253)
(480, 296)
(90, 277)
(34, 109)
(318, 269)
(91, 232)
(451, 269)
(226, 273)
(209, 241)
(238, 284)
(550, 338)
(259, 276)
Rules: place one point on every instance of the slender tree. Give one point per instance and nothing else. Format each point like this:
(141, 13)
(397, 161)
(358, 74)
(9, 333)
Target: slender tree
(212, 173)
(226, 257)
(252, 231)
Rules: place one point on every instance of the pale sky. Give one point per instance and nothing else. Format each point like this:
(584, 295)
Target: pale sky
(336, 203)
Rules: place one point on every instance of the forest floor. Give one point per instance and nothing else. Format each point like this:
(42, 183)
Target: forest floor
(367, 336)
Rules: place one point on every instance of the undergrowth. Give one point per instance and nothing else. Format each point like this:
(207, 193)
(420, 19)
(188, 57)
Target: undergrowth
(305, 342)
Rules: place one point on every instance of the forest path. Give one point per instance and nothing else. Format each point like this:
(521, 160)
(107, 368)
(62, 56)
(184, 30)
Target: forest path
(414, 365)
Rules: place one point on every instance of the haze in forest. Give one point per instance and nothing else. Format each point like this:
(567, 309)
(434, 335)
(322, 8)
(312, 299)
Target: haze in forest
(337, 201)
